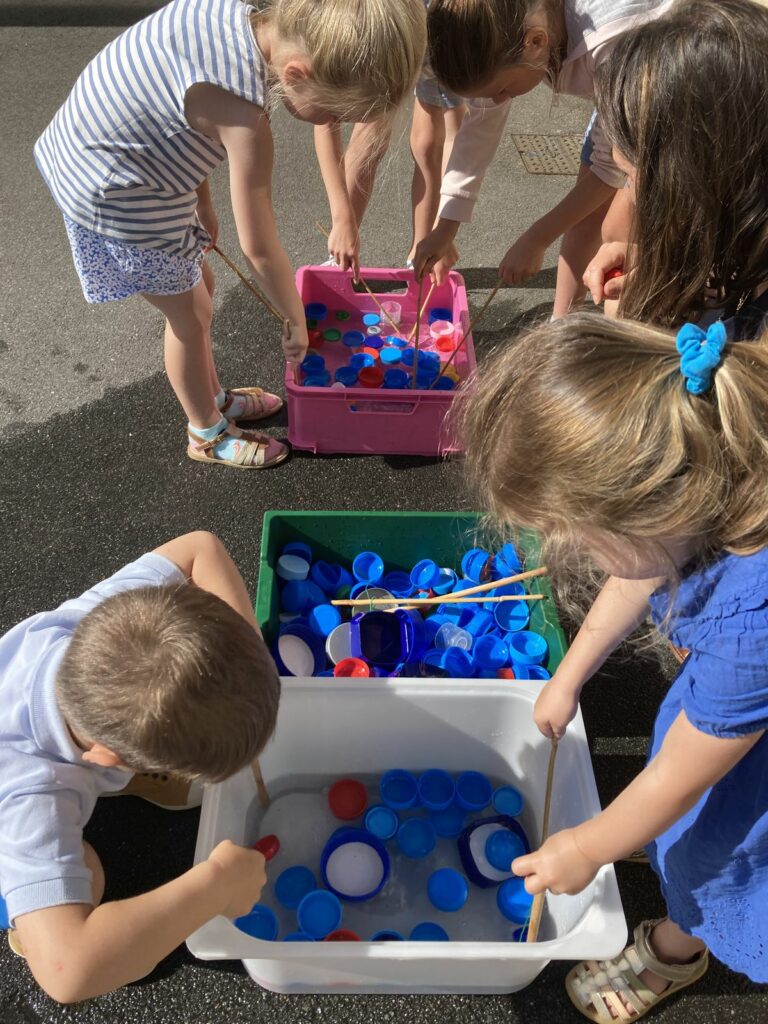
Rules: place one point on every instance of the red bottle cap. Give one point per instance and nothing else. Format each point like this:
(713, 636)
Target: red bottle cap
(351, 667)
(347, 799)
(342, 935)
(613, 272)
(371, 351)
(506, 673)
(371, 377)
(315, 339)
(268, 847)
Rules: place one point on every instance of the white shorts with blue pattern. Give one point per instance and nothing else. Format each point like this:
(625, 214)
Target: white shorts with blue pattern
(111, 270)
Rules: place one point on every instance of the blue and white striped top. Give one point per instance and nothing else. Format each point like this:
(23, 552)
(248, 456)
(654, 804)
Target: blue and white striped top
(119, 156)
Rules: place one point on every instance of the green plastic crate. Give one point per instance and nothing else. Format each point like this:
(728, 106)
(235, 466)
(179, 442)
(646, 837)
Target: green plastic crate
(402, 539)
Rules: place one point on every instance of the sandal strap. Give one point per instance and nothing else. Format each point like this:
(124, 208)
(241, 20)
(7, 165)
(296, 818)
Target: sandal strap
(646, 959)
(202, 444)
(253, 450)
(232, 393)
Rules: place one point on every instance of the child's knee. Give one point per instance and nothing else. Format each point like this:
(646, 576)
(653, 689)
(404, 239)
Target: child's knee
(427, 135)
(93, 864)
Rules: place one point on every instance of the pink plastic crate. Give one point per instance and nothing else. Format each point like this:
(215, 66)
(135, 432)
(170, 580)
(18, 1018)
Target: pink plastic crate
(366, 421)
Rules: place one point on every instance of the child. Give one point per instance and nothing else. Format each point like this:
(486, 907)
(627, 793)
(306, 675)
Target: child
(160, 668)
(349, 177)
(650, 456)
(492, 51)
(696, 157)
(128, 155)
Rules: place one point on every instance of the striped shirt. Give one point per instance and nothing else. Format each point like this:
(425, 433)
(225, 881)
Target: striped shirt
(119, 156)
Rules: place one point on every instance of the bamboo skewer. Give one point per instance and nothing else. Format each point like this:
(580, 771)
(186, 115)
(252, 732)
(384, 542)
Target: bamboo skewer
(538, 899)
(460, 595)
(473, 323)
(416, 339)
(421, 314)
(261, 785)
(264, 301)
(457, 598)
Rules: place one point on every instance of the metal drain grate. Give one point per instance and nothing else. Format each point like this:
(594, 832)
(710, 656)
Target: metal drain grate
(549, 154)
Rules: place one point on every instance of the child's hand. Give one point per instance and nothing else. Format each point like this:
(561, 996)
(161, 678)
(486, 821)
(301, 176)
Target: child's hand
(241, 876)
(523, 259)
(609, 256)
(555, 707)
(295, 341)
(344, 245)
(206, 216)
(436, 254)
(558, 865)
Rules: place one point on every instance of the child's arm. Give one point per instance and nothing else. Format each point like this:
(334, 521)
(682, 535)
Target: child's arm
(344, 239)
(203, 558)
(688, 763)
(618, 609)
(76, 952)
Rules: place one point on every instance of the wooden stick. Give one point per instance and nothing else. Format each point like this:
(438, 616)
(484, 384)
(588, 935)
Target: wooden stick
(416, 339)
(461, 595)
(468, 331)
(264, 301)
(538, 899)
(421, 314)
(457, 598)
(261, 785)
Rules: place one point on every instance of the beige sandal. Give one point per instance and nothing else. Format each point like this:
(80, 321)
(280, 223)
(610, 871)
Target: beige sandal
(611, 990)
(259, 404)
(257, 451)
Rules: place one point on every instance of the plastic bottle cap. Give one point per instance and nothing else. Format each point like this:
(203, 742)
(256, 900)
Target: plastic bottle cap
(268, 847)
(511, 616)
(343, 314)
(301, 595)
(324, 618)
(491, 652)
(445, 343)
(390, 355)
(261, 923)
(398, 789)
(396, 379)
(440, 313)
(387, 935)
(614, 272)
(361, 360)
(444, 383)
(371, 319)
(316, 310)
(428, 931)
(315, 339)
(298, 937)
(513, 901)
(520, 934)
(530, 671)
(506, 673)
(319, 913)
(332, 334)
(371, 377)
(355, 871)
(474, 562)
(436, 789)
(447, 890)
(373, 331)
(451, 635)
(393, 310)
(293, 884)
(528, 648)
(329, 576)
(457, 663)
(508, 589)
(297, 654)
(372, 351)
(416, 838)
(342, 935)
(347, 799)
(394, 339)
(292, 567)
(353, 339)
(425, 573)
(446, 581)
(507, 800)
(448, 823)
(351, 668)
(338, 646)
(441, 329)
(425, 378)
(296, 547)
(398, 584)
(501, 848)
(473, 791)
(381, 821)
(368, 567)
(312, 362)
(507, 561)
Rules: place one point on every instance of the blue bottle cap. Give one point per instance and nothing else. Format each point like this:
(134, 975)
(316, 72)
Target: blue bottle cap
(457, 663)
(319, 913)
(368, 567)
(416, 838)
(398, 584)
(490, 652)
(513, 900)
(330, 577)
(378, 638)
(354, 865)
(292, 567)
(428, 931)
(501, 848)
(387, 935)
(346, 375)
(511, 616)
(390, 355)
(473, 563)
(381, 821)
(508, 588)
(298, 937)
(507, 561)
(527, 648)
(508, 800)
(409, 355)
(312, 363)
(293, 884)
(395, 380)
(440, 313)
(482, 622)
(473, 791)
(448, 823)
(425, 378)
(425, 573)
(436, 789)
(371, 319)
(316, 310)
(299, 651)
(301, 595)
(396, 340)
(318, 380)
(296, 547)
(447, 890)
(530, 671)
(456, 613)
(360, 360)
(444, 383)
(446, 581)
(261, 923)
(399, 789)
(324, 618)
(353, 339)
(374, 339)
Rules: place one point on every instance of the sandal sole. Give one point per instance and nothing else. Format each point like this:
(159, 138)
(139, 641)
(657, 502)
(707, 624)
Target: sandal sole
(234, 465)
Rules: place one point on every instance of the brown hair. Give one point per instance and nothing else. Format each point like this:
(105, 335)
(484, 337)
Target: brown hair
(171, 679)
(470, 41)
(587, 422)
(682, 98)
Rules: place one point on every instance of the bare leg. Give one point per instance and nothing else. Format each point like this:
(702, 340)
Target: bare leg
(427, 142)
(210, 284)
(367, 145)
(187, 351)
(672, 946)
(579, 245)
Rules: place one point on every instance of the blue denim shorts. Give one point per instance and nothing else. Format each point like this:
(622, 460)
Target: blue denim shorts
(430, 92)
(586, 145)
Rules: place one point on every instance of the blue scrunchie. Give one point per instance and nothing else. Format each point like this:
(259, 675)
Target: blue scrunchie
(700, 352)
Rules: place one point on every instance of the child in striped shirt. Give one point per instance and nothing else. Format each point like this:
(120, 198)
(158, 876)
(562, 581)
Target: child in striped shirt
(127, 158)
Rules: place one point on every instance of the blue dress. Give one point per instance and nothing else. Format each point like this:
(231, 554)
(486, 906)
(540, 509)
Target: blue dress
(713, 862)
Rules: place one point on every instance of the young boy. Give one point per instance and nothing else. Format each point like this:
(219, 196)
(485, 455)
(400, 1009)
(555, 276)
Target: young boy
(160, 668)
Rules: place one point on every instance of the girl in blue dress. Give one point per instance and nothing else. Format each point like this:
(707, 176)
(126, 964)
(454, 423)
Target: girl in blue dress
(648, 454)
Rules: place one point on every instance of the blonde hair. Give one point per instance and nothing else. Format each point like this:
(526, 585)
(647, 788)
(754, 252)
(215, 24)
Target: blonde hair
(364, 54)
(170, 679)
(586, 422)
